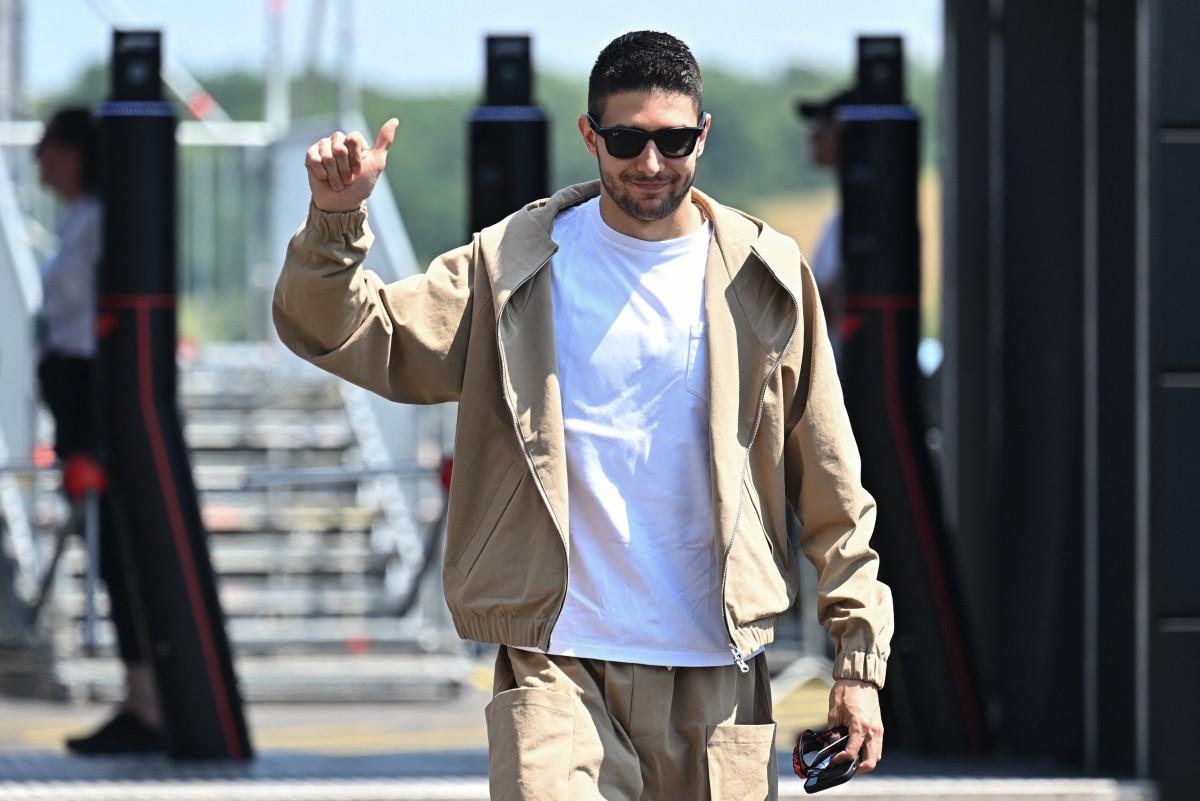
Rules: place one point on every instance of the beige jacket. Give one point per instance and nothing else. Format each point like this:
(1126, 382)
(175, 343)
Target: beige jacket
(477, 328)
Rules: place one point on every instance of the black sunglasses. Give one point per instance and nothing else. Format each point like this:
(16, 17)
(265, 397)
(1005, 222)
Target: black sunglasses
(628, 143)
(812, 756)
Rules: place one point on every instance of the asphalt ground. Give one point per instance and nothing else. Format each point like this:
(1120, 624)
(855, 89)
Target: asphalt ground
(30, 726)
(405, 751)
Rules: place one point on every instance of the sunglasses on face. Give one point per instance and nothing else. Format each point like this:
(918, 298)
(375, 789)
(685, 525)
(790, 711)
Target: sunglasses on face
(628, 143)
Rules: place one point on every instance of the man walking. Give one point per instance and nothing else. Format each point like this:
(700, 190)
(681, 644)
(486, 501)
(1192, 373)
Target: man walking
(648, 415)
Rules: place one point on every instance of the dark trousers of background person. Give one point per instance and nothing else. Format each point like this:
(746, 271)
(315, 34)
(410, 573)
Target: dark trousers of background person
(67, 386)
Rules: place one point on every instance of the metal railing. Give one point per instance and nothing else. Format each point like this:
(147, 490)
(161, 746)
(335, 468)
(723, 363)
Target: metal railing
(242, 193)
(20, 297)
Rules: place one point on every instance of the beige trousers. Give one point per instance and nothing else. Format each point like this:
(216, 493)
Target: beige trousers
(563, 728)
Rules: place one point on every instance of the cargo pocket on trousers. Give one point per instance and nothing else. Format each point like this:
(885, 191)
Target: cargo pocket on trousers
(529, 744)
(739, 761)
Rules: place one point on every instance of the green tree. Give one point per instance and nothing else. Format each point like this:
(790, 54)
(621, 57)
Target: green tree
(757, 148)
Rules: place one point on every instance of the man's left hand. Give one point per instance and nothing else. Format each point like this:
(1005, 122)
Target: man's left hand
(855, 705)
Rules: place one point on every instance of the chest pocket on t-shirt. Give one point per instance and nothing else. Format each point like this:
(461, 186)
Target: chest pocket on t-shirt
(697, 363)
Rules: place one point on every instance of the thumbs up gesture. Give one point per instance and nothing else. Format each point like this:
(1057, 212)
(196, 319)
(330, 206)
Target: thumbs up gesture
(343, 168)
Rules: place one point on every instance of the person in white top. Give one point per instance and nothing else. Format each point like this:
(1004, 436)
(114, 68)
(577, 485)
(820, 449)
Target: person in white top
(823, 134)
(67, 162)
(631, 668)
(629, 328)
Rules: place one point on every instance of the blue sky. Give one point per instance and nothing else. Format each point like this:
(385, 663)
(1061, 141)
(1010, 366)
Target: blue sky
(438, 44)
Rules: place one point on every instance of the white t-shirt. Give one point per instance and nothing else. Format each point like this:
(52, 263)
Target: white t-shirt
(827, 264)
(644, 582)
(69, 280)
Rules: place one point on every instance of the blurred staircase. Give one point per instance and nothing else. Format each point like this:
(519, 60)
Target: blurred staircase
(307, 571)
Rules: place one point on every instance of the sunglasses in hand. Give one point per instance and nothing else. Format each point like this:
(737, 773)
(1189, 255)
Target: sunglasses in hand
(628, 143)
(813, 756)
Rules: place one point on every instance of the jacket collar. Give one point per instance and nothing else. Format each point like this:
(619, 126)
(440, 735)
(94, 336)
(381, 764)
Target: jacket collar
(515, 250)
(751, 309)
(743, 243)
(740, 237)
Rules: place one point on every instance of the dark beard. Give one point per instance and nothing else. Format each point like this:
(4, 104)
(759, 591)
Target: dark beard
(625, 202)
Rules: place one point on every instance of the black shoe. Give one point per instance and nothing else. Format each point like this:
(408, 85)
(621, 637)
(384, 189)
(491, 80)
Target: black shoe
(124, 734)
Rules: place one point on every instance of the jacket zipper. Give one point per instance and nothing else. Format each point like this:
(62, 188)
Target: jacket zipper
(525, 448)
(739, 658)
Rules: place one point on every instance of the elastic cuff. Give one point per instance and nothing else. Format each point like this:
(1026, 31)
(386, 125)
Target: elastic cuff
(861, 666)
(338, 223)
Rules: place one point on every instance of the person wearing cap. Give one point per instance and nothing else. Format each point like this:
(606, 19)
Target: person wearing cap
(824, 130)
(649, 422)
(67, 163)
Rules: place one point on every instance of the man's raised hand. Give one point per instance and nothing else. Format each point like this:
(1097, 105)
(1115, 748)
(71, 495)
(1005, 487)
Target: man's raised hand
(342, 168)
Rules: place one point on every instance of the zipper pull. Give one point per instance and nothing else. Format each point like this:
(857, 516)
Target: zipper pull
(738, 659)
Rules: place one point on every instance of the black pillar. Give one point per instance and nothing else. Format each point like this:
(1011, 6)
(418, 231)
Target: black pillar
(1168, 378)
(970, 405)
(159, 528)
(508, 159)
(1038, 550)
(932, 700)
(1110, 432)
(1073, 383)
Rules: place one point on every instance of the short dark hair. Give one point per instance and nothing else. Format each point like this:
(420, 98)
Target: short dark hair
(76, 127)
(643, 61)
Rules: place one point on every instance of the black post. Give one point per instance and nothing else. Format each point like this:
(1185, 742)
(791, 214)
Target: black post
(160, 532)
(932, 695)
(1168, 372)
(508, 161)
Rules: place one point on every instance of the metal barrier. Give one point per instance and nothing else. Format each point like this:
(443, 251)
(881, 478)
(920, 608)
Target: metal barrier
(242, 193)
(26, 569)
(20, 297)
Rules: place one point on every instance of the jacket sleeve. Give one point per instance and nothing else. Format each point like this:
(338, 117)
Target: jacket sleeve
(837, 513)
(405, 341)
